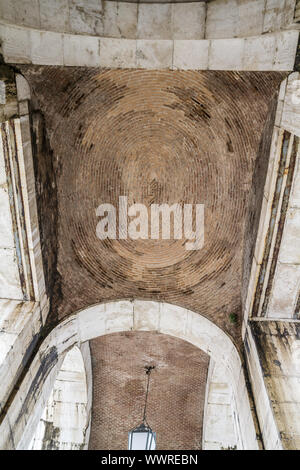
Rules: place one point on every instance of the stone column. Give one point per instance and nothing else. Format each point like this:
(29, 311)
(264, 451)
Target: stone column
(273, 356)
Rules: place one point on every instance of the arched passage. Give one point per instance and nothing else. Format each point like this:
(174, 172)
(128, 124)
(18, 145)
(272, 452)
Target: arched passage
(176, 397)
(119, 316)
(65, 422)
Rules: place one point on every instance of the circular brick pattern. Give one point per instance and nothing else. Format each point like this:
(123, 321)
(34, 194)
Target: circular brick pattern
(155, 137)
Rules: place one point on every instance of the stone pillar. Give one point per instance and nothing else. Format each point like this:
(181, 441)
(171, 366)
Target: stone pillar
(273, 356)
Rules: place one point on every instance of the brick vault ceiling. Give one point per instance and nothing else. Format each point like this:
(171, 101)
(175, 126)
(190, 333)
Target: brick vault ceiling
(176, 397)
(155, 136)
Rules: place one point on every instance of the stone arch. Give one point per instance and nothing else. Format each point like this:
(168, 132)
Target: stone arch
(123, 315)
(266, 52)
(160, 19)
(160, 35)
(65, 422)
(220, 424)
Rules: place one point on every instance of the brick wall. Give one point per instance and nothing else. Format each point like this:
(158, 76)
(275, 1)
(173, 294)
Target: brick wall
(176, 396)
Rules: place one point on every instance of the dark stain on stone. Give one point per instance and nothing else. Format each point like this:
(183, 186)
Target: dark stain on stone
(297, 58)
(246, 352)
(51, 437)
(260, 342)
(246, 343)
(255, 197)
(297, 328)
(30, 349)
(47, 362)
(297, 308)
(46, 191)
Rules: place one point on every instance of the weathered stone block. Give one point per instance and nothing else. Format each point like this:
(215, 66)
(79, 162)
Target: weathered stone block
(190, 55)
(290, 246)
(120, 20)
(55, 15)
(274, 15)
(250, 18)
(189, 20)
(81, 51)
(6, 227)
(86, 18)
(259, 53)
(46, 48)
(152, 54)
(15, 44)
(146, 315)
(23, 89)
(222, 19)
(117, 53)
(285, 291)
(10, 286)
(154, 21)
(286, 47)
(27, 13)
(226, 54)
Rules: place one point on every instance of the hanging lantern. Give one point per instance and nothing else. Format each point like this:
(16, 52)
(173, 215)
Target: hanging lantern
(142, 437)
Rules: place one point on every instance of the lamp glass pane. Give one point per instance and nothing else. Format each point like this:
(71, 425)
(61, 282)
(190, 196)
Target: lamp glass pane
(144, 440)
(139, 440)
(152, 443)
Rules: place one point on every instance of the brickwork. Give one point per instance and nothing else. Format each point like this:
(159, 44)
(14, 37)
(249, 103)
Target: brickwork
(156, 137)
(176, 397)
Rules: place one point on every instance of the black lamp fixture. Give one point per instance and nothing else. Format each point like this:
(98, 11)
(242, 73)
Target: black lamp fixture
(142, 437)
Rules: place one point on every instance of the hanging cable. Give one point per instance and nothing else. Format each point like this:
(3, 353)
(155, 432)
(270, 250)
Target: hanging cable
(148, 372)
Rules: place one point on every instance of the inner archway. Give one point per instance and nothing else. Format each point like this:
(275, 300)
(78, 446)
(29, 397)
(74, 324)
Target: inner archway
(121, 316)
